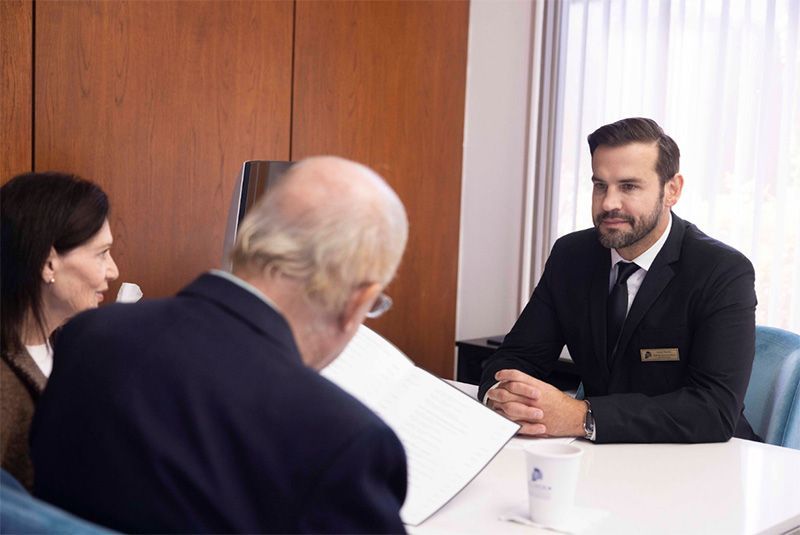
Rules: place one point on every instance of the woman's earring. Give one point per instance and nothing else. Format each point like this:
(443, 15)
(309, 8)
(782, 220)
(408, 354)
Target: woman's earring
(51, 281)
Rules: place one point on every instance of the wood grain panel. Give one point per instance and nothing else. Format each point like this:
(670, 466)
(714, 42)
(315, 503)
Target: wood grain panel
(383, 83)
(16, 69)
(160, 102)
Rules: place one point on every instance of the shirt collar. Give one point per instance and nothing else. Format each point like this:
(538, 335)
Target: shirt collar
(246, 286)
(645, 260)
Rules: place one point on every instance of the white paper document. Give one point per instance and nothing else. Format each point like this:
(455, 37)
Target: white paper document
(448, 436)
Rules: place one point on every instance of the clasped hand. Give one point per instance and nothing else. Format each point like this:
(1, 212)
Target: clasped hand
(540, 408)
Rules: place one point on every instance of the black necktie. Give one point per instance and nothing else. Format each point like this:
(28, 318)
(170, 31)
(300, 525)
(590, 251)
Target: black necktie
(618, 304)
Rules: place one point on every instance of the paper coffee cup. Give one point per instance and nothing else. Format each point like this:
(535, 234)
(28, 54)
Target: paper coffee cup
(552, 480)
(129, 293)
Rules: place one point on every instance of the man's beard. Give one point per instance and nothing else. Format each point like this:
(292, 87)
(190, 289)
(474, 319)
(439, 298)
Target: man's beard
(618, 239)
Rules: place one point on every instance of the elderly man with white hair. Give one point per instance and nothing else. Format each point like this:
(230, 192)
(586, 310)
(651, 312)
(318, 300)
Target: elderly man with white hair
(205, 412)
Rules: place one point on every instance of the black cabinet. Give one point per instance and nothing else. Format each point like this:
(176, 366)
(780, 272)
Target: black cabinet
(473, 353)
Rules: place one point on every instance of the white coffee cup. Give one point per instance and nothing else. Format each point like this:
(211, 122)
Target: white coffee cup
(129, 293)
(552, 480)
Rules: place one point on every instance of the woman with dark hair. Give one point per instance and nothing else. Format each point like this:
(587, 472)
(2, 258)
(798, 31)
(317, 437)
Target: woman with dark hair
(55, 253)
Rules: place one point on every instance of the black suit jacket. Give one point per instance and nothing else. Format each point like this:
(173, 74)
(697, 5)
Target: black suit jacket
(196, 414)
(698, 297)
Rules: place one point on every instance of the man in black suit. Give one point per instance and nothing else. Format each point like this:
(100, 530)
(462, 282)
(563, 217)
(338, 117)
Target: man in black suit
(205, 412)
(658, 317)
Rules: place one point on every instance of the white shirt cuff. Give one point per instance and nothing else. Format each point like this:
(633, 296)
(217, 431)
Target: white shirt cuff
(486, 395)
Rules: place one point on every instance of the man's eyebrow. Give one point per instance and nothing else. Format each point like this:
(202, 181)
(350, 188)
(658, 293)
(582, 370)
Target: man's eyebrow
(630, 180)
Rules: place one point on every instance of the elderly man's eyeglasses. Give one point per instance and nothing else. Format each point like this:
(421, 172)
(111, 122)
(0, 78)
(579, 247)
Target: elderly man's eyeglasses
(380, 306)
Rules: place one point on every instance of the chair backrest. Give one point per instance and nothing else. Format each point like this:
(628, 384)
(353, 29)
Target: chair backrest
(22, 513)
(772, 401)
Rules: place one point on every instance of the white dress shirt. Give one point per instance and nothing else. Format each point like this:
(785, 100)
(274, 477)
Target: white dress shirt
(42, 355)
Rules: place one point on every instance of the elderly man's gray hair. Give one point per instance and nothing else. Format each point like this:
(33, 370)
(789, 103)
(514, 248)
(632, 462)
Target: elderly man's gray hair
(329, 223)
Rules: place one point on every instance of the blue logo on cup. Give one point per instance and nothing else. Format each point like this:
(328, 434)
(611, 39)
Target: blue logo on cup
(537, 475)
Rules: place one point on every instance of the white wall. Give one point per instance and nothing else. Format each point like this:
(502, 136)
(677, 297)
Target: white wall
(494, 167)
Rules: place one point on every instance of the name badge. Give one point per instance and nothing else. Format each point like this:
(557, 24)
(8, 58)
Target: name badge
(659, 354)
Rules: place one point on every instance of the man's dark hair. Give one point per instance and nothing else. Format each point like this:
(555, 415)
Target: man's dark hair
(40, 211)
(640, 130)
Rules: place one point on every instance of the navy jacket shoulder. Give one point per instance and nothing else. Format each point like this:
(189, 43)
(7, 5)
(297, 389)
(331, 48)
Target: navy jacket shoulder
(196, 413)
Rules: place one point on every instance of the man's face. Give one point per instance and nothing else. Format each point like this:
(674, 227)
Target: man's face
(629, 206)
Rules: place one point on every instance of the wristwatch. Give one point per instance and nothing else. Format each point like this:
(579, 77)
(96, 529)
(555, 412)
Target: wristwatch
(588, 422)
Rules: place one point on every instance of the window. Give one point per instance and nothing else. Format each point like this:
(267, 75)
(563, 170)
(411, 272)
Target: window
(722, 77)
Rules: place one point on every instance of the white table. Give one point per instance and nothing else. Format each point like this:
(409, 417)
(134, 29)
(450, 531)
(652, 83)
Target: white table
(733, 487)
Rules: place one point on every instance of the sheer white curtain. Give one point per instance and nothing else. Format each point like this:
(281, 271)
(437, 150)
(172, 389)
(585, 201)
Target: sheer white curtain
(722, 78)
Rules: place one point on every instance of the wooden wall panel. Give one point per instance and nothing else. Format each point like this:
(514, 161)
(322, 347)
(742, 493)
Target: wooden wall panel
(16, 69)
(160, 102)
(383, 83)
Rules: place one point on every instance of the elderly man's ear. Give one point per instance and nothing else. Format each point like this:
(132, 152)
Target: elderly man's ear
(357, 306)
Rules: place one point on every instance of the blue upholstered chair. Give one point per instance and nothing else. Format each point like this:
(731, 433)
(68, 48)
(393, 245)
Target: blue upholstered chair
(772, 402)
(22, 513)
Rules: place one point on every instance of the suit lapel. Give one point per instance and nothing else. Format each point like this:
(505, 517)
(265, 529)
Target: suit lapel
(28, 372)
(657, 278)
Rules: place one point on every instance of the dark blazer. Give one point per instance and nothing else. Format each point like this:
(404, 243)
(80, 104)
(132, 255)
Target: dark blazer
(698, 297)
(196, 414)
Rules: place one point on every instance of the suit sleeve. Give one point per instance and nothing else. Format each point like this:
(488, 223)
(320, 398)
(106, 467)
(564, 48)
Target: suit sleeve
(536, 340)
(363, 488)
(709, 404)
